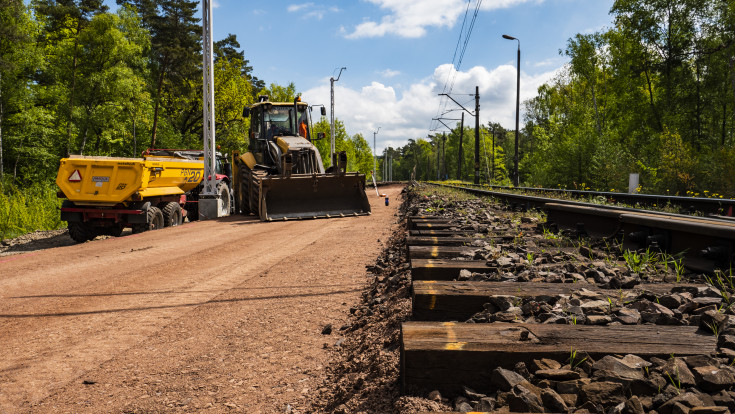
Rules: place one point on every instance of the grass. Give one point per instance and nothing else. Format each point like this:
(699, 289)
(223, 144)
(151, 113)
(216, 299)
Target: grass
(638, 262)
(29, 209)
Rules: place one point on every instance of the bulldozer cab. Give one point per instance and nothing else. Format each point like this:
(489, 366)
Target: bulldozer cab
(269, 120)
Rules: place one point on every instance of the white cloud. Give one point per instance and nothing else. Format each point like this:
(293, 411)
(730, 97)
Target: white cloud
(407, 114)
(389, 73)
(410, 18)
(296, 7)
(311, 11)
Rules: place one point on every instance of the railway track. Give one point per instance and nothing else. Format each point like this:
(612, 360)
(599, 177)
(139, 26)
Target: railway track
(705, 243)
(707, 205)
(507, 315)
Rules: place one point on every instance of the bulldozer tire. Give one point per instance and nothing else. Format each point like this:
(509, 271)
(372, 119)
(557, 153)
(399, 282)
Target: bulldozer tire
(172, 215)
(224, 194)
(256, 178)
(154, 218)
(81, 231)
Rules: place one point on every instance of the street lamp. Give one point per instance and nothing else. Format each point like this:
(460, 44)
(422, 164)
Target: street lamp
(518, 104)
(375, 159)
(331, 123)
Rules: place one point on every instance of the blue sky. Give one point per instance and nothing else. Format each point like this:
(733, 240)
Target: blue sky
(399, 54)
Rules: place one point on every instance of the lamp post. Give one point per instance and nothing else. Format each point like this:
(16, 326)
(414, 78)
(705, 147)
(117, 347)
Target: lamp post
(331, 123)
(375, 159)
(518, 104)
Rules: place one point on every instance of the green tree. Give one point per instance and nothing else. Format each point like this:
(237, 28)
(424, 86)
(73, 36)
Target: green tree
(111, 64)
(175, 63)
(278, 93)
(18, 57)
(64, 22)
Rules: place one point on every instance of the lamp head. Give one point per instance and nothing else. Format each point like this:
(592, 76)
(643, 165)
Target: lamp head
(509, 37)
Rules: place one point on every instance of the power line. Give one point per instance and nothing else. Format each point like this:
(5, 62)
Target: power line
(454, 57)
(457, 63)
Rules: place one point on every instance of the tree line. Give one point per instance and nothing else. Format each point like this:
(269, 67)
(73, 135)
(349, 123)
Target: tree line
(76, 78)
(654, 94)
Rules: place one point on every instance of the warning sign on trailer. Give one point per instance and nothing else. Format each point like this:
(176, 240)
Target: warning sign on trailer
(75, 176)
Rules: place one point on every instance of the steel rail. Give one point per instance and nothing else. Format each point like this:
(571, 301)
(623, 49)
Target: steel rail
(714, 206)
(704, 243)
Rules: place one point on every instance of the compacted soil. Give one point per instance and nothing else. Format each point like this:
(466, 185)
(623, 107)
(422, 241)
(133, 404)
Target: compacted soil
(228, 315)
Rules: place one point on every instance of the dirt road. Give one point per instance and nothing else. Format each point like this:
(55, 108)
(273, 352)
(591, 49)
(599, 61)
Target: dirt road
(217, 316)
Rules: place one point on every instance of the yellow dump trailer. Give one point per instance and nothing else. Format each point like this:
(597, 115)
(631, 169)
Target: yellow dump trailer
(106, 194)
(108, 181)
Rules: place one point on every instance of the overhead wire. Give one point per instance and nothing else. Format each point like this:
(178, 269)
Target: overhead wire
(454, 58)
(457, 63)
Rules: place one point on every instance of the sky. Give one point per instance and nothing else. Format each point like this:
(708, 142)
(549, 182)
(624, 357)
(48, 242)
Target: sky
(399, 55)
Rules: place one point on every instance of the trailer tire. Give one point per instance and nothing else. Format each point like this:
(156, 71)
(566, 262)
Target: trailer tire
(81, 231)
(224, 194)
(172, 215)
(154, 219)
(115, 230)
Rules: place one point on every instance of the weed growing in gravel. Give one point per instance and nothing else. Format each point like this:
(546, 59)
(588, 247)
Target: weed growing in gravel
(550, 235)
(714, 328)
(676, 383)
(573, 357)
(638, 262)
(724, 283)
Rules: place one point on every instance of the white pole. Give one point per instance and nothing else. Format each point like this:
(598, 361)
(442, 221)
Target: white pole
(331, 122)
(375, 159)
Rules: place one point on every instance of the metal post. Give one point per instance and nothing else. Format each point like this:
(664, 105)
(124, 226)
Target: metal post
(477, 135)
(461, 152)
(438, 160)
(375, 160)
(444, 155)
(331, 122)
(518, 105)
(516, 178)
(210, 180)
(493, 174)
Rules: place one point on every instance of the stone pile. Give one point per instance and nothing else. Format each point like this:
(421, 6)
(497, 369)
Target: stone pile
(683, 305)
(612, 384)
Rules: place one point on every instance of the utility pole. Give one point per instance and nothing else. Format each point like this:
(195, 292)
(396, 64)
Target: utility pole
(331, 122)
(438, 160)
(461, 152)
(375, 160)
(493, 174)
(444, 155)
(476, 114)
(209, 205)
(477, 135)
(516, 177)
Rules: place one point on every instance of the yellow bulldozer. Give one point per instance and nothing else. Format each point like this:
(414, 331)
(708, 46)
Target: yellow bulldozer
(282, 176)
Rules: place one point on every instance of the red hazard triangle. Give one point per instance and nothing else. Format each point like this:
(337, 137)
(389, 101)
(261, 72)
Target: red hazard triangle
(75, 177)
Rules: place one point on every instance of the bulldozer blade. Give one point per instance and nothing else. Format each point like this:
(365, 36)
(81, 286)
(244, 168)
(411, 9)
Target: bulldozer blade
(313, 196)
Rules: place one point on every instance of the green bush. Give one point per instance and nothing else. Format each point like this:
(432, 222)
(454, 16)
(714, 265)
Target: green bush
(29, 209)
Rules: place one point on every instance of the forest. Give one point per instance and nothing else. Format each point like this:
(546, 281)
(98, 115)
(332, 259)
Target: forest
(653, 94)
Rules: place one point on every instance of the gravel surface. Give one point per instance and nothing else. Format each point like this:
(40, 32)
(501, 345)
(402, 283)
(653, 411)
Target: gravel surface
(218, 316)
(517, 248)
